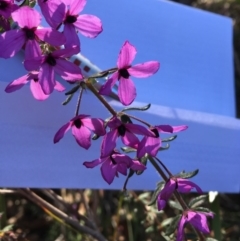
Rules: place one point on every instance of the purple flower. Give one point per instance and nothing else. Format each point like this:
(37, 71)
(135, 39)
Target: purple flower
(115, 163)
(127, 90)
(35, 87)
(82, 126)
(51, 63)
(29, 34)
(179, 184)
(151, 145)
(7, 7)
(88, 25)
(127, 133)
(197, 219)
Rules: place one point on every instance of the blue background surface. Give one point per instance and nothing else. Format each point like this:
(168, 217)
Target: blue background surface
(194, 86)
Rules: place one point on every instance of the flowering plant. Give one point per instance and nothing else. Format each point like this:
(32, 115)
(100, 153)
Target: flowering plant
(47, 54)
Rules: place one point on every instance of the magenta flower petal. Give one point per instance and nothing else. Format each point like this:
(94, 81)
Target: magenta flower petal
(77, 6)
(144, 70)
(68, 70)
(126, 91)
(148, 145)
(7, 8)
(109, 143)
(180, 232)
(95, 124)
(139, 130)
(59, 87)
(69, 30)
(108, 171)
(17, 84)
(47, 78)
(82, 136)
(37, 91)
(107, 87)
(185, 186)
(51, 36)
(11, 42)
(65, 53)
(61, 132)
(126, 55)
(32, 49)
(26, 17)
(199, 221)
(88, 25)
(122, 158)
(33, 64)
(93, 163)
(137, 166)
(170, 129)
(129, 139)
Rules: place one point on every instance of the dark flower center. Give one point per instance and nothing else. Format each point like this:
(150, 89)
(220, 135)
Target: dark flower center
(70, 19)
(51, 60)
(3, 5)
(113, 161)
(121, 130)
(124, 73)
(35, 80)
(155, 131)
(125, 119)
(77, 123)
(30, 33)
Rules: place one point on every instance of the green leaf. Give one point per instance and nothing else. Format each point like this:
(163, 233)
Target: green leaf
(95, 137)
(8, 228)
(211, 239)
(175, 205)
(127, 149)
(197, 201)
(187, 175)
(160, 186)
(164, 148)
(173, 225)
(203, 210)
(149, 229)
(137, 108)
(143, 160)
(68, 99)
(172, 138)
(73, 90)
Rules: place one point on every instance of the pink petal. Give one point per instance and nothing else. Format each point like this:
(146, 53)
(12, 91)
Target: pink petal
(186, 186)
(121, 158)
(51, 36)
(93, 163)
(88, 25)
(69, 30)
(32, 49)
(95, 124)
(129, 139)
(109, 143)
(108, 170)
(144, 70)
(11, 42)
(82, 136)
(180, 232)
(106, 89)
(126, 91)
(170, 129)
(199, 221)
(76, 6)
(6, 13)
(47, 78)
(37, 91)
(17, 84)
(137, 166)
(68, 70)
(33, 64)
(126, 55)
(59, 87)
(65, 53)
(149, 145)
(114, 123)
(122, 168)
(61, 132)
(139, 130)
(26, 17)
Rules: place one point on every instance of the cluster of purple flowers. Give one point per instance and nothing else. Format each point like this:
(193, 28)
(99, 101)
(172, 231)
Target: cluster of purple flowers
(47, 53)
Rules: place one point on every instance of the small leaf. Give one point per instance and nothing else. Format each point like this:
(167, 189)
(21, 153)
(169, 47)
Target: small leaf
(95, 137)
(197, 201)
(203, 210)
(149, 229)
(8, 228)
(211, 239)
(164, 148)
(143, 160)
(187, 175)
(143, 196)
(137, 108)
(160, 186)
(68, 99)
(73, 90)
(170, 138)
(173, 225)
(127, 149)
(175, 205)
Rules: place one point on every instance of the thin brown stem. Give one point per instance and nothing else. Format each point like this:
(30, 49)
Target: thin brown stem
(165, 168)
(79, 101)
(137, 119)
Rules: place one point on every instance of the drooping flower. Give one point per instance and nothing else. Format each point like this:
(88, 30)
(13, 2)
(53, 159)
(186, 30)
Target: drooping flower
(88, 25)
(127, 132)
(35, 87)
(30, 33)
(126, 89)
(7, 7)
(196, 219)
(179, 184)
(151, 145)
(51, 63)
(115, 163)
(82, 126)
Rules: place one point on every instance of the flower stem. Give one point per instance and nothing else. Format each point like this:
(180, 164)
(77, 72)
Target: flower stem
(104, 102)
(79, 101)
(137, 119)
(165, 168)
